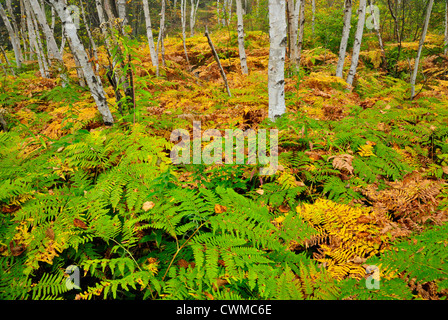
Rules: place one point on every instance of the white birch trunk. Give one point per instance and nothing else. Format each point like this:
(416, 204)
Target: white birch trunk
(301, 32)
(89, 34)
(93, 81)
(183, 12)
(161, 36)
(15, 40)
(358, 40)
(35, 41)
(240, 26)
(313, 8)
(152, 50)
(344, 39)
(193, 12)
(420, 46)
(229, 11)
(446, 27)
(52, 48)
(277, 51)
(376, 26)
(293, 22)
(121, 8)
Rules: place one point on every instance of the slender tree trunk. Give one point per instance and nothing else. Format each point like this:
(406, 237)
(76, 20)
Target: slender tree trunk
(446, 27)
(344, 39)
(301, 32)
(15, 40)
(229, 11)
(183, 12)
(16, 31)
(376, 27)
(277, 52)
(420, 46)
(161, 36)
(35, 43)
(23, 32)
(93, 81)
(242, 51)
(89, 34)
(193, 12)
(121, 8)
(152, 50)
(52, 48)
(313, 8)
(293, 26)
(358, 40)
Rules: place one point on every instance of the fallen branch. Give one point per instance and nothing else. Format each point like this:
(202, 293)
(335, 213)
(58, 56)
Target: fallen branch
(217, 61)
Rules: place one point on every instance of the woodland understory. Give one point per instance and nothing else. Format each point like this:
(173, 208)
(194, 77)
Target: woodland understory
(361, 181)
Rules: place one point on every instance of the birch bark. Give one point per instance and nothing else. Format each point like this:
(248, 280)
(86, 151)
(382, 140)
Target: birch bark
(93, 81)
(301, 32)
(293, 26)
(344, 39)
(358, 40)
(15, 40)
(35, 41)
(420, 46)
(277, 51)
(193, 12)
(152, 50)
(240, 27)
(446, 27)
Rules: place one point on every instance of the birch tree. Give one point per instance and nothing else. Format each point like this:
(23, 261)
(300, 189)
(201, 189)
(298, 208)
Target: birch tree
(376, 26)
(276, 65)
(52, 47)
(35, 41)
(13, 36)
(446, 27)
(161, 36)
(183, 11)
(293, 25)
(358, 40)
(301, 32)
(420, 46)
(344, 39)
(193, 13)
(93, 81)
(240, 28)
(152, 50)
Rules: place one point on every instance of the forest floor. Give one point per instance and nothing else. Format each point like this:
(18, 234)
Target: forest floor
(361, 179)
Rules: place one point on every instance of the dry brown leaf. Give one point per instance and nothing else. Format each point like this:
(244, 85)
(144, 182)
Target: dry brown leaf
(260, 191)
(284, 209)
(342, 161)
(79, 223)
(148, 205)
(220, 209)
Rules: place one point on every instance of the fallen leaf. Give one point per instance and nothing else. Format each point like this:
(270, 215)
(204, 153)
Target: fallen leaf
(16, 248)
(49, 233)
(220, 209)
(260, 191)
(284, 208)
(148, 205)
(79, 223)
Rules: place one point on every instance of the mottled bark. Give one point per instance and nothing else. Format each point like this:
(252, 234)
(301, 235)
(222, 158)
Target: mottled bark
(344, 39)
(358, 40)
(277, 52)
